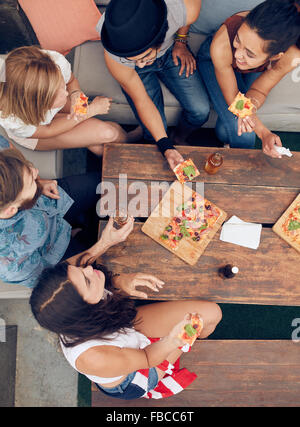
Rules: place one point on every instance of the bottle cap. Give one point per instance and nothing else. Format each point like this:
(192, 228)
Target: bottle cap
(235, 270)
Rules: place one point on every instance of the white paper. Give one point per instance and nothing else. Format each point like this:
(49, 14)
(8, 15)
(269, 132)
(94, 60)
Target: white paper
(283, 151)
(241, 233)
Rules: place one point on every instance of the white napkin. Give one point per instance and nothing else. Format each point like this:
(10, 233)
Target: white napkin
(241, 233)
(283, 151)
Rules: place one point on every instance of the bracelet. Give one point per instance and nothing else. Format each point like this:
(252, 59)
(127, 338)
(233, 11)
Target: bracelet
(182, 35)
(184, 41)
(256, 101)
(259, 91)
(74, 91)
(164, 144)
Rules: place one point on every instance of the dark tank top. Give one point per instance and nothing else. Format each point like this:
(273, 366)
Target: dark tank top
(233, 24)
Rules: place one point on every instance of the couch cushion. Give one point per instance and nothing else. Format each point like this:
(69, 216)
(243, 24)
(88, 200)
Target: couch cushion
(62, 24)
(280, 112)
(214, 12)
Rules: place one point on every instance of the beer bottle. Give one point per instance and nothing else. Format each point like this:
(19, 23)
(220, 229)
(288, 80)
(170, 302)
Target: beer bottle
(228, 271)
(213, 163)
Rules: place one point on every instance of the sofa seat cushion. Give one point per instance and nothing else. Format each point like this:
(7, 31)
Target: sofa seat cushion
(280, 111)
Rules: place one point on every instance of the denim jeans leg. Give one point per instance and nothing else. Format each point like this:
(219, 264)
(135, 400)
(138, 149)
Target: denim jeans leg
(226, 127)
(152, 86)
(189, 91)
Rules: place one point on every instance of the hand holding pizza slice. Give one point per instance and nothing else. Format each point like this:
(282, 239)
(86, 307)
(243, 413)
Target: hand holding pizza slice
(81, 104)
(192, 329)
(186, 171)
(241, 106)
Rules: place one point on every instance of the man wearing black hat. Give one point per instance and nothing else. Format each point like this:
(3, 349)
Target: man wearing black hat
(145, 40)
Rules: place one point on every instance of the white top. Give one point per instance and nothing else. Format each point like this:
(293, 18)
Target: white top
(16, 128)
(130, 339)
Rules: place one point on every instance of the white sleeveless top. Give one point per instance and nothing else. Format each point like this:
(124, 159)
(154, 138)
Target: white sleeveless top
(130, 339)
(176, 17)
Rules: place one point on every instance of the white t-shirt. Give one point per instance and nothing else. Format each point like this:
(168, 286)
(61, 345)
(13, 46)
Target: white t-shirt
(130, 339)
(16, 128)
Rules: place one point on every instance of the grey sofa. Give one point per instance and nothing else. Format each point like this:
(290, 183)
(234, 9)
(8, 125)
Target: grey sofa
(281, 111)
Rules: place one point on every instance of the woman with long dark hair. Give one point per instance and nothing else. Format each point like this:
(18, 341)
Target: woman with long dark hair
(105, 336)
(251, 52)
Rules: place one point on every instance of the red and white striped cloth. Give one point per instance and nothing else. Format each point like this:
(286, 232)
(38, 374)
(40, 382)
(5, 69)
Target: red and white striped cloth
(173, 382)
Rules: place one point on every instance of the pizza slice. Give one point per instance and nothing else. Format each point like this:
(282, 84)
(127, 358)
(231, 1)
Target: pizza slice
(172, 234)
(291, 226)
(241, 106)
(191, 330)
(186, 171)
(81, 105)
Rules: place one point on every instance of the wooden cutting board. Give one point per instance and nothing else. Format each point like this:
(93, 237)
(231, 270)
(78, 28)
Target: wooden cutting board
(277, 228)
(188, 250)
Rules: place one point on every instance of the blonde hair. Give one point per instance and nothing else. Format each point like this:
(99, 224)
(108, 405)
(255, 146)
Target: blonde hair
(32, 81)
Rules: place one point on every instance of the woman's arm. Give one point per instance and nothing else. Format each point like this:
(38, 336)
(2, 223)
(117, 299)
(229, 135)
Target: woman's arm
(109, 237)
(62, 122)
(110, 361)
(221, 55)
(258, 93)
(129, 282)
(263, 85)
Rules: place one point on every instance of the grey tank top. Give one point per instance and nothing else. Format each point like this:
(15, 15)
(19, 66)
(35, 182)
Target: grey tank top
(176, 19)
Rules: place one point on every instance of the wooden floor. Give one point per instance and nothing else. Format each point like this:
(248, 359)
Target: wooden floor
(231, 373)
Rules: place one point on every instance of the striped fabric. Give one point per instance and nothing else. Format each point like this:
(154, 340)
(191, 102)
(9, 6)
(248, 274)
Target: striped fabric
(174, 381)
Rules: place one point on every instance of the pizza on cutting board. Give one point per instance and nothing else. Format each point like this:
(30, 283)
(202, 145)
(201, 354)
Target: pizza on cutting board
(194, 220)
(288, 225)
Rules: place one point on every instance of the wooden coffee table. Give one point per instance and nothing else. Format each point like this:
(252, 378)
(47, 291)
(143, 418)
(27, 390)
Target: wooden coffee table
(250, 185)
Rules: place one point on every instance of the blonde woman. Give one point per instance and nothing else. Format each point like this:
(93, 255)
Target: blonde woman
(36, 105)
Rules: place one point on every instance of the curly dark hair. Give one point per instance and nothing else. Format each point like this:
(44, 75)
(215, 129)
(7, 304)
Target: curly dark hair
(58, 307)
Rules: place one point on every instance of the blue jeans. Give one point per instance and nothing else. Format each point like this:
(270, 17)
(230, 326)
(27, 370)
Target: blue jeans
(227, 123)
(189, 91)
(126, 390)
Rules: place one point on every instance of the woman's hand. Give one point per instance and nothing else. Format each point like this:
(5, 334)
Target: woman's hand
(187, 60)
(111, 236)
(49, 188)
(269, 141)
(173, 334)
(247, 124)
(75, 116)
(129, 282)
(99, 105)
(173, 157)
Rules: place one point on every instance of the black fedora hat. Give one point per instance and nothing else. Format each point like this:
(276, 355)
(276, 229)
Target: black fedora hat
(132, 26)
